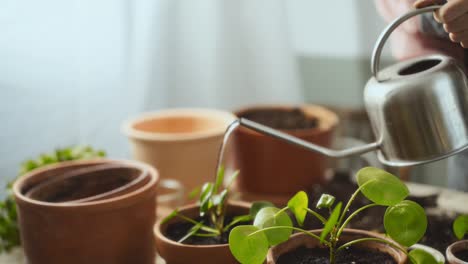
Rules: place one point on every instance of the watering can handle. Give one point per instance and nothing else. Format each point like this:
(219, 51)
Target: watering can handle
(375, 62)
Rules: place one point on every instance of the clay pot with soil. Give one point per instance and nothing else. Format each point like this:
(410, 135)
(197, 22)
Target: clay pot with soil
(271, 166)
(457, 253)
(208, 250)
(168, 138)
(301, 248)
(93, 211)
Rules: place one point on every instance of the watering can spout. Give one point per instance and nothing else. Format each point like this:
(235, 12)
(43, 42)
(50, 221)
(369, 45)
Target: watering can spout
(358, 150)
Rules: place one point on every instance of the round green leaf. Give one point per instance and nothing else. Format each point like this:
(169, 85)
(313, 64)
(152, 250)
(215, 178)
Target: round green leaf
(248, 248)
(271, 217)
(332, 220)
(256, 206)
(419, 256)
(298, 205)
(460, 226)
(381, 187)
(405, 222)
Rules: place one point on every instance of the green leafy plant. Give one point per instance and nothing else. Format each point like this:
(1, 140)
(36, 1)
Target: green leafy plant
(9, 232)
(404, 221)
(212, 209)
(460, 226)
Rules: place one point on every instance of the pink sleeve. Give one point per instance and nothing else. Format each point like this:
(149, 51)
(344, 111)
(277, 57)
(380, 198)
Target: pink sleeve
(407, 40)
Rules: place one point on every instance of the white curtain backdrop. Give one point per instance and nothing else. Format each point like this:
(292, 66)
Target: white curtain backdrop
(72, 71)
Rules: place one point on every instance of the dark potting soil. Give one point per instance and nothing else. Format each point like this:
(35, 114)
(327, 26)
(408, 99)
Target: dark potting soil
(178, 230)
(463, 255)
(303, 255)
(438, 235)
(287, 119)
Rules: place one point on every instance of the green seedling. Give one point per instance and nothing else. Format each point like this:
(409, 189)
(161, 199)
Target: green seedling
(212, 203)
(404, 221)
(460, 226)
(9, 232)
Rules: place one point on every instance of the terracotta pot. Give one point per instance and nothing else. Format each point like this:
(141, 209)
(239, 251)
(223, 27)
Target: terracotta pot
(114, 229)
(303, 240)
(182, 143)
(271, 166)
(177, 253)
(453, 249)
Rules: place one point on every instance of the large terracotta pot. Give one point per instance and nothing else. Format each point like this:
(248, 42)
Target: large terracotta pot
(182, 143)
(177, 253)
(453, 249)
(303, 240)
(113, 228)
(270, 166)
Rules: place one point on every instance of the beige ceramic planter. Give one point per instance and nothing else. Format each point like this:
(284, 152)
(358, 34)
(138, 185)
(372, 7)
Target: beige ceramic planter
(303, 240)
(270, 166)
(182, 144)
(113, 228)
(453, 249)
(178, 253)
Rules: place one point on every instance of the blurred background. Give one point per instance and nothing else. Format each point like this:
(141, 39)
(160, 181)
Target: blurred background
(72, 71)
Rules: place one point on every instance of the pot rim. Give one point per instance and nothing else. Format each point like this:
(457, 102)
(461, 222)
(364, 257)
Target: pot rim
(455, 247)
(92, 169)
(270, 257)
(224, 117)
(317, 111)
(113, 202)
(157, 230)
(434, 252)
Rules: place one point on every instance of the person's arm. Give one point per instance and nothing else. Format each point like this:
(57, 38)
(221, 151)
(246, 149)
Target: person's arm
(410, 40)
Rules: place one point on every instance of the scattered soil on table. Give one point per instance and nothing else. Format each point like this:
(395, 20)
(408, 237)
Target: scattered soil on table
(439, 233)
(463, 255)
(303, 255)
(178, 230)
(286, 119)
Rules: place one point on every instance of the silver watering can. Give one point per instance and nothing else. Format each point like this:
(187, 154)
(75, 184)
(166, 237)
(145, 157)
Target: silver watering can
(418, 109)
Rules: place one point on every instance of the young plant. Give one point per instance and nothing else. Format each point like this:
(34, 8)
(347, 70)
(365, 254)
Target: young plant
(404, 221)
(460, 226)
(212, 203)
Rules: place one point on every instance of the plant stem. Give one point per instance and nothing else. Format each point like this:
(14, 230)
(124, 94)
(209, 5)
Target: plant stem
(292, 228)
(350, 201)
(203, 227)
(205, 235)
(280, 211)
(346, 222)
(317, 215)
(393, 245)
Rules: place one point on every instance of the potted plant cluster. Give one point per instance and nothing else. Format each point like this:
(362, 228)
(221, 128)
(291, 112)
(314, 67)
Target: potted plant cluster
(201, 231)
(457, 253)
(270, 236)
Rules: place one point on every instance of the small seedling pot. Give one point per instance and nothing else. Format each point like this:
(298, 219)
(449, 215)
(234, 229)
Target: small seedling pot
(177, 253)
(438, 256)
(453, 249)
(168, 138)
(270, 166)
(90, 222)
(303, 240)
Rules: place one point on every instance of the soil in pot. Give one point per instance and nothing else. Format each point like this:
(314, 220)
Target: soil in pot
(462, 254)
(178, 230)
(303, 255)
(83, 184)
(285, 119)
